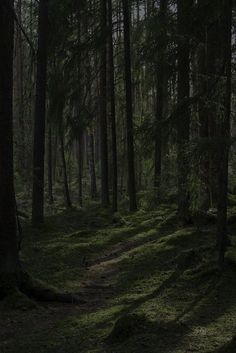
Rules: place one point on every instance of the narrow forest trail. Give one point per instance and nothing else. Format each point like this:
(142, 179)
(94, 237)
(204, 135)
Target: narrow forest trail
(148, 286)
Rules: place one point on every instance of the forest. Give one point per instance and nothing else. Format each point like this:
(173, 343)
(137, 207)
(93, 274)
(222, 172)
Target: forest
(117, 176)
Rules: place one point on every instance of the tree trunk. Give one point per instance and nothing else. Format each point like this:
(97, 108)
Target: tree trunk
(183, 126)
(93, 182)
(129, 108)
(8, 231)
(113, 109)
(80, 167)
(204, 110)
(39, 121)
(79, 109)
(161, 77)
(103, 110)
(224, 128)
(64, 170)
(50, 183)
(19, 92)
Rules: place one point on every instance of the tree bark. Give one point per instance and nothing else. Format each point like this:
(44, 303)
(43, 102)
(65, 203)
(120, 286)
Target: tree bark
(183, 126)
(50, 182)
(129, 108)
(113, 109)
(93, 183)
(8, 230)
(64, 170)
(161, 77)
(224, 128)
(80, 168)
(103, 109)
(39, 121)
(19, 91)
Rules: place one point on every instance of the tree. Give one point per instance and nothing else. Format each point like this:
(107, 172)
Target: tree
(113, 109)
(93, 182)
(79, 109)
(225, 23)
(39, 118)
(103, 106)
(183, 125)
(129, 108)
(64, 167)
(9, 260)
(50, 179)
(160, 94)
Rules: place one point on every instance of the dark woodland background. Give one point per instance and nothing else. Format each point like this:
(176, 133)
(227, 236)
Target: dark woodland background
(117, 176)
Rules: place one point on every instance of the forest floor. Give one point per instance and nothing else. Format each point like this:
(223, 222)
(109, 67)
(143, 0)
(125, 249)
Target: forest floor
(149, 287)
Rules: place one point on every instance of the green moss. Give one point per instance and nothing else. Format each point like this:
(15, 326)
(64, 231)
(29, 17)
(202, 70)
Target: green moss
(153, 287)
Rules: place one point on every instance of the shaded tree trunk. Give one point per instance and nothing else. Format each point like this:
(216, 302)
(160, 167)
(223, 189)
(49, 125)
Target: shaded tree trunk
(93, 183)
(80, 167)
(8, 231)
(80, 137)
(103, 109)
(204, 111)
(64, 170)
(113, 109)
(224, 128)
(183, 126)
(39, 120)
(50, 182)
(161, 77)
(129, 108)
(19, 91)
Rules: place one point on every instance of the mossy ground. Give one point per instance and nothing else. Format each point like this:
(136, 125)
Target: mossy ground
(150, 287)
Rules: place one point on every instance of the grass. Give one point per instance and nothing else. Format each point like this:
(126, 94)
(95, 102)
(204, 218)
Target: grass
(151, 287)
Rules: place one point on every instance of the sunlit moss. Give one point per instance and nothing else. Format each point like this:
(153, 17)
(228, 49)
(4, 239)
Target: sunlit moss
(156, 271)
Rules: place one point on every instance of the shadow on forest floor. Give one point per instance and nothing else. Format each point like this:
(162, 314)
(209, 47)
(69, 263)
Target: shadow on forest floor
(150, 286)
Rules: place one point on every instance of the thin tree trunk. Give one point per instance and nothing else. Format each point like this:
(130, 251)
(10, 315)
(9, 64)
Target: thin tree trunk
(204, 110)
(93, 182)
(50, 182)
(183, 126)
(64, 170)
(19, 90)
(129, 108)
(113, 109)
(80, 137)
(161, 76)
(226, 26)
(39, 122)
(80, 167)
(103, 110)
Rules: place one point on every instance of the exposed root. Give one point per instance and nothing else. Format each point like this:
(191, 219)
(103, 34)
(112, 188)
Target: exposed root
(21, 289)
(38, 290)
